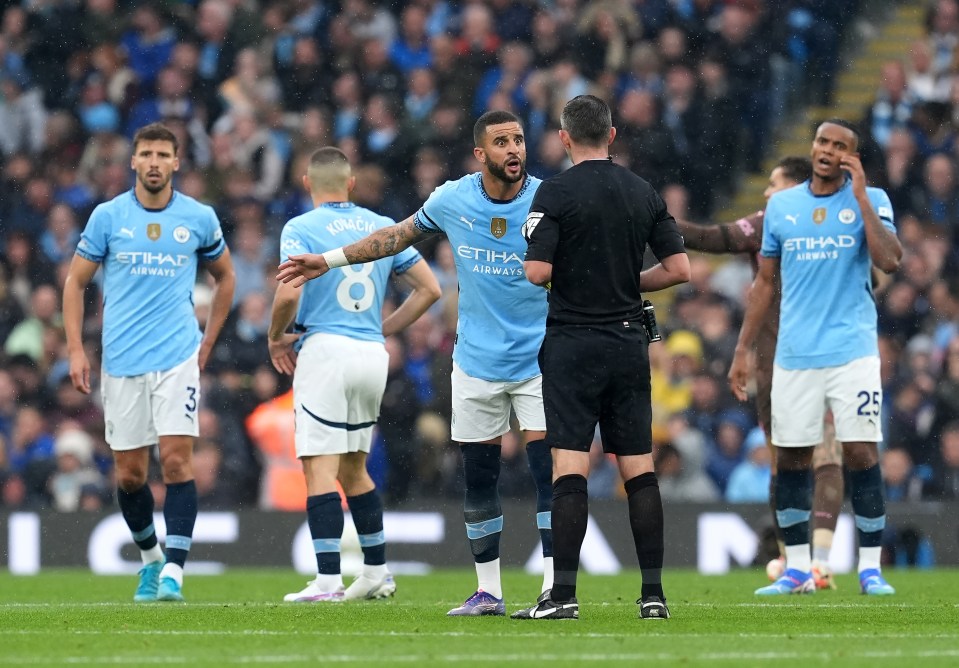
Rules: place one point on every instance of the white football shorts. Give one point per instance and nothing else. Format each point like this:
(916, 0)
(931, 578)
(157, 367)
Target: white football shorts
(337, 389)
(481, 408)
(800, 398)
(140, 409)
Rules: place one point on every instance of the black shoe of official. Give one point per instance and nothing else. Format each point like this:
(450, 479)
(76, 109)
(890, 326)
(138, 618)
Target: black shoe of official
(524, 613)
(546, 608)
(652, 607)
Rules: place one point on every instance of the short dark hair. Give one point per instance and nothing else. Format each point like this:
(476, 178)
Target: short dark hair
(588, 120)
(494, 117)
(796, 168)
(843, 123)
(155, 132)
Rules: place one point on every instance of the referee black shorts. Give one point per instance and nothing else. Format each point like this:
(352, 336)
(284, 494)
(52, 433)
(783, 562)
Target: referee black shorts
(597, 374)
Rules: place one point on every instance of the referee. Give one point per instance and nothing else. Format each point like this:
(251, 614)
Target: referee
(587, 230)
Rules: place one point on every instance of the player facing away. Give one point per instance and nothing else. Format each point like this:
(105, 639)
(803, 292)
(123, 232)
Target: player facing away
(820, 240)
(339, 364)
(150, 241)
(745, 236)
(588, 230)
(499, 331)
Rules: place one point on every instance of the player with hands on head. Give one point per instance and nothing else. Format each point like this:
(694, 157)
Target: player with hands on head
(339, 363)
(820, 241)
(745, 236)
(150, 241)
(501, 319)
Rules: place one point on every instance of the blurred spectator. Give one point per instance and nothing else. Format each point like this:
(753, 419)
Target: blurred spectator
(945, 477)
(681, 478)
(396, 426)
(900, 481)
(27, 337)
(31, 442)
(411, 50)
(148, 44)
(74, 469)
(271, 426)
(59, 239)
(213, 491)
(749, 480)
(730, 435)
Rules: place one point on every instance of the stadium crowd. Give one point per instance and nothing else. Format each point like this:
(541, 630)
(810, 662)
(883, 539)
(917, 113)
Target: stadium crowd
(252, 88)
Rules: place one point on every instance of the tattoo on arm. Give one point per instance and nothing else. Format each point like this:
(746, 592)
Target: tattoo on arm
(384, 243)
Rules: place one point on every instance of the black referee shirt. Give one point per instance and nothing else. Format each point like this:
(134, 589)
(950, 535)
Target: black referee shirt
(592, 223)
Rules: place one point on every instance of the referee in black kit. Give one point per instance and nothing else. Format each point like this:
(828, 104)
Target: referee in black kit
(587, 231)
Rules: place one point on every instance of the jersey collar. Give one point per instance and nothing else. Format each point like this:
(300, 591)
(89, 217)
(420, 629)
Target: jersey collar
(133, 194)
(479, 183)
(847, 182)
(338, 205)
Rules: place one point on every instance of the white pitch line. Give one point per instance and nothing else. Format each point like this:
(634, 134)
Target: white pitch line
(452, 634)
(449, 658)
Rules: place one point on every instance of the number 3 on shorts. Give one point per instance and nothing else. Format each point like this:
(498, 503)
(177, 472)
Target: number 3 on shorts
(190, 405)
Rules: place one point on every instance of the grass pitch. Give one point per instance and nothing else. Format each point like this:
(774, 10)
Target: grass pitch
(75, 618)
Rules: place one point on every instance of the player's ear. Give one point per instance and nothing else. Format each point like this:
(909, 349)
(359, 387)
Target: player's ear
(176, 163)
(350, 184)
(306, 183)
(612, 135)
(480, 154)
(564, 137)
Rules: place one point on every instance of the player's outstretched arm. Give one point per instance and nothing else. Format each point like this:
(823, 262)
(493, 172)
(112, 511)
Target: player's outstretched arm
(426, 290)
(224, 281)
(758, 301)
(280, 343)
(78, 277)
(738, 237)
(671, 270)
(299, 269)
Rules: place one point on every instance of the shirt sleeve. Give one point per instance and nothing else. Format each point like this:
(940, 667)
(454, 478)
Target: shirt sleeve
(665, 238)
(405, 259)
(883, 206)
(212, 245)
(771, 246)
(94, 242)
(541, 229)
(430, 216)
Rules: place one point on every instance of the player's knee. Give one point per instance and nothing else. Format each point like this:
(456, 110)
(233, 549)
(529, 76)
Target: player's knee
(131, 478)
(177, 467)
(860, 456)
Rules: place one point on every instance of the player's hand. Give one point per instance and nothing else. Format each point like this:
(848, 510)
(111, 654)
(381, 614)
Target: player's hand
(299, 269)
(203, 355)
(853, 165)
(80, 371)
(282, 354)
(738, 375)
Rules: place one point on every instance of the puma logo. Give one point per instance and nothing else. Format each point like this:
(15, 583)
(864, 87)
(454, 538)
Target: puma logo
(468, 222)
(127, 232)
(793, 219)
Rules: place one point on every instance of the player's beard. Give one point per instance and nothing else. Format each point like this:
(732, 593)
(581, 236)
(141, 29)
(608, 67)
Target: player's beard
(499, 171)
(155, 189)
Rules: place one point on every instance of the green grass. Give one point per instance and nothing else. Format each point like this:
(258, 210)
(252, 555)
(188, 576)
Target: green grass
(74, 618)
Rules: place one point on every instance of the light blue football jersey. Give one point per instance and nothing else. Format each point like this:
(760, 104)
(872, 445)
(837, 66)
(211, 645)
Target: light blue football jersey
(347, 300)
(828, 314)
(502, 316)
(149, 259)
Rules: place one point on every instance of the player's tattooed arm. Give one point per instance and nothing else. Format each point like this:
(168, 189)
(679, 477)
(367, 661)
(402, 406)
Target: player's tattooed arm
(384, 242)
(298, 269)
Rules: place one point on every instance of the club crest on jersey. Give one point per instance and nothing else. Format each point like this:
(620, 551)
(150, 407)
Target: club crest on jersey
(181, 234)
(497, 226)
(819, 215)
(847, 216)
(153, 231)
